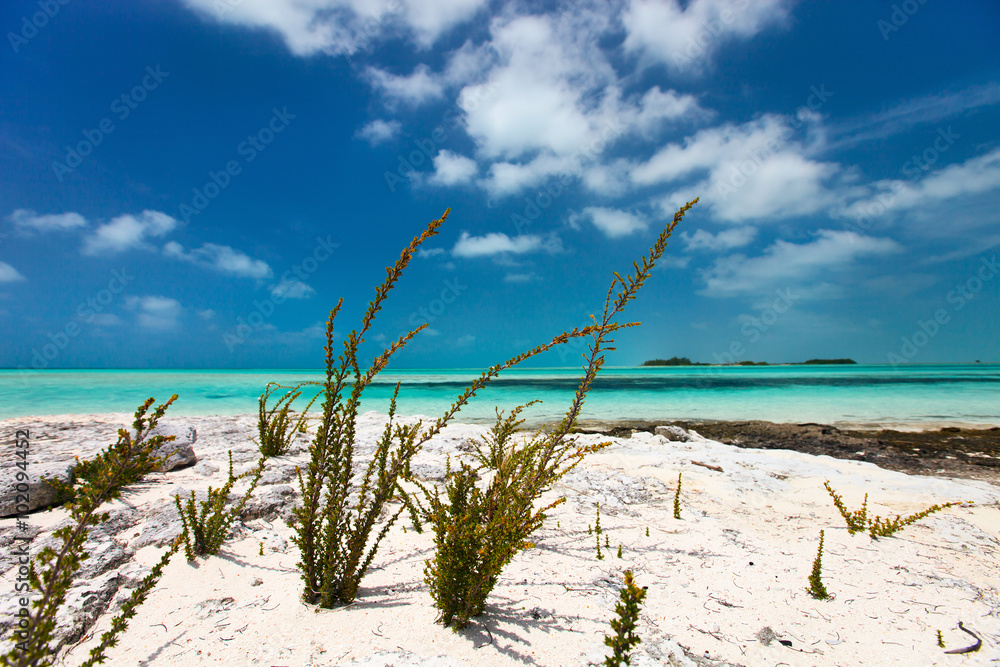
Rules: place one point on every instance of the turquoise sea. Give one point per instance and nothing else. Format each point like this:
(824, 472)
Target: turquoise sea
(855, 395)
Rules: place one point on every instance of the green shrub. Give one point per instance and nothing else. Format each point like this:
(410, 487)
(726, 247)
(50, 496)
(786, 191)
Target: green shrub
(478, 532)
(885, 527)
(625, 639)
(336, 520)
(207, 529)
(51, 573)
(816, 587)
(677, 497)
(858, 521)
(275, 428)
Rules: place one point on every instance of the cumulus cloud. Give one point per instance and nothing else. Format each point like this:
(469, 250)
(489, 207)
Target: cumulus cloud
(614, 223)
(727, 239)
(128, 232)
(342, 27)
(380, 131)
(786, 264)
(413, 89)
(750, 171)
(685, 37)
(157, 313)
(290, 288)
(496, 243)
(452, 169)
(8, 274)
(26, 220)
(221, 258)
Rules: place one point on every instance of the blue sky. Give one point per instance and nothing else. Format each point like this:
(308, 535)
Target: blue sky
(194, 183)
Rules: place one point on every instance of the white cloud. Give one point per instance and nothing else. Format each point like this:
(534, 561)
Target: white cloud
(341, 27)
(496, 243)
(685, 38)
(613, 222)
(412, 89)
(290, 288)
(727, 239)
(787, 265)
(158, 313)
(27, 220)
(128, 232)
(8, 274)
(976, 175)
(424, 253)
(221, 258)
(452, 169)
(380, 131)
(206, 314)
(748, 171)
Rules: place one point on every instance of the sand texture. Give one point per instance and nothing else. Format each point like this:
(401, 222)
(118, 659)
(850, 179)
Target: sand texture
(726, 583)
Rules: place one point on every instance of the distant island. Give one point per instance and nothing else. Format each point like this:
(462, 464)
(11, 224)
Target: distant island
(684, 361)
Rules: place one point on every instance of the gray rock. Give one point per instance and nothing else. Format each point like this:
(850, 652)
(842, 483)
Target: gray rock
(673, 433)
(179, 451)
(281, 475)
(206, 468)
(38, 494)
(274, 502)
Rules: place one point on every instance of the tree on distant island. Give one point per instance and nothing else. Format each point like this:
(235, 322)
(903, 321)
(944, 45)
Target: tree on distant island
(672, 361)
(830, 361)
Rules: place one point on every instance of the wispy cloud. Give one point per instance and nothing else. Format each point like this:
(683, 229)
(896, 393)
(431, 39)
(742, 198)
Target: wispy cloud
(221, 258)
(26, 220)
(496, 243)
(380, 131)
(156, 313)
(128, 232)
(8, 274)
(786, 264)
(902, 117)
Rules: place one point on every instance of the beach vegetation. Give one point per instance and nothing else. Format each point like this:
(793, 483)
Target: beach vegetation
(677, 497)
(275, 427)
(625, 639)
(479, 531)
(51, 573)
(816, 587)
(206, 524)
(886, 527)
(338, 517)
(859, 521)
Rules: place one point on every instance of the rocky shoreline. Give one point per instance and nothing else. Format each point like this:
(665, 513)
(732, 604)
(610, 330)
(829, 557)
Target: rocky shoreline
(966, 453)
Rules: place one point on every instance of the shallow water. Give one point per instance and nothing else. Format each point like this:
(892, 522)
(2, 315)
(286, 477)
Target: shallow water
(855, 395)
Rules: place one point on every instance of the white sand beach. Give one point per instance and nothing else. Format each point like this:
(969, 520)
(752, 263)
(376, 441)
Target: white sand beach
(726, 583)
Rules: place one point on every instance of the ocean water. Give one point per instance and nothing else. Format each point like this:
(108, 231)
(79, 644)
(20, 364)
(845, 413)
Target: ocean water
(905, 396)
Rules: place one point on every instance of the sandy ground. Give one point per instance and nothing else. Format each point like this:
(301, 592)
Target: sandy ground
(732, 571)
